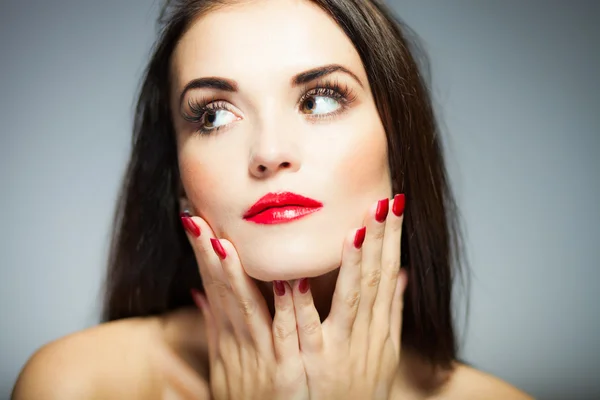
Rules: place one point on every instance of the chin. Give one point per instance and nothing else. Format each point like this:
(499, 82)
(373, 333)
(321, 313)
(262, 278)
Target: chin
(289, 262)
(289, 272)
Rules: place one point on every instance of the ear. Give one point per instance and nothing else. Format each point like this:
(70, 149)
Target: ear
(184, 203)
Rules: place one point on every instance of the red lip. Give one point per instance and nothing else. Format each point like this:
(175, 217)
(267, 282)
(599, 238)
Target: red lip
(278, 208)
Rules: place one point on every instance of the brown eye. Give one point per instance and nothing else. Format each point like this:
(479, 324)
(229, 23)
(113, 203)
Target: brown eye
(308, 105)
(210, 117)
(215, 119)
(320, 105)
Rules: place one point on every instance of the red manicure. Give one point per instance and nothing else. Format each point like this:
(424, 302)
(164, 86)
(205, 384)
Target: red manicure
(303, 285)
(218, 248)
(382, 210)
(279, 288)
(359, 238)
(189, 224)
(398, 206)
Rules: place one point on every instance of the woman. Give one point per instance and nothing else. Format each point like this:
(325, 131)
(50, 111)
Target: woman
(286, 162)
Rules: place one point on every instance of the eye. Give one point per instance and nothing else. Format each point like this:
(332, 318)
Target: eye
(209, 116)
(326, 100)
(320, 105)
(214, 119)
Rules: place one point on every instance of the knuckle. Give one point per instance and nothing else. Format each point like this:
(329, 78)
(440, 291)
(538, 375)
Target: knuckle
(352, 299)
(248, 307)
(378, 234)
(392, 268)
(282, 332)
(311, 327)
(229, 274)
(371, 278)
(221, 288)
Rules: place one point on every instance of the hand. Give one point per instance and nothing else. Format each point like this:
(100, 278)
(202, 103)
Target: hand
(251, 356)
(355, 352)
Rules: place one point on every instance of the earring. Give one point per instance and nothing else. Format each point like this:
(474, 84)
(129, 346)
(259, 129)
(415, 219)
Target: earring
(186, 212)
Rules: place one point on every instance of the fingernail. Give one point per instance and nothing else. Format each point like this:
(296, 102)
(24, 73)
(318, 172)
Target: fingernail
(279, 288)
(218, 248)
(197, 298)
(398, 206)
(382, 210)
(359, 238)
(189, 225)
(303, 285)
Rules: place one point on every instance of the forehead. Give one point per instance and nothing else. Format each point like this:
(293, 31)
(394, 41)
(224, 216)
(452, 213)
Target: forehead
(261, 41)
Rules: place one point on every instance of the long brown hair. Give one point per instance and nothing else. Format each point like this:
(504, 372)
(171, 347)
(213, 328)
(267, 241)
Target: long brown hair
(151, 265)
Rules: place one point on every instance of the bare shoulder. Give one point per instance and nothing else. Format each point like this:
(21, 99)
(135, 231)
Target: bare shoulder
(106, 359)
(469, 383)
(113, 360)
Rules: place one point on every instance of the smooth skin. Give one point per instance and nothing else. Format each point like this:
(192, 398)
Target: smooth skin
(354, 353)
(340, 160)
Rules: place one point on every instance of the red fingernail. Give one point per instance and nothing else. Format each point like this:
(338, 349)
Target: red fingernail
(398, 206)
(382, 210)
(303, 285)
(279, 288)
(359, 238)
(218, 248)
(189, 225)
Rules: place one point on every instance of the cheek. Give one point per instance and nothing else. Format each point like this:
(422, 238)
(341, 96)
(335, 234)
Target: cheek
(364, 167)
(202, 184)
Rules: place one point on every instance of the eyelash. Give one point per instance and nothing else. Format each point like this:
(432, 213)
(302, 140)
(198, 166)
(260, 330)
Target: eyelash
(332, 89)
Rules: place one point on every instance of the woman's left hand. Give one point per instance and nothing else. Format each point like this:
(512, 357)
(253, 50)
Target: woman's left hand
(355, 352)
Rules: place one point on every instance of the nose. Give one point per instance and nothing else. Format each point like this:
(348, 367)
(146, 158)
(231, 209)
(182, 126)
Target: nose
(272, 153)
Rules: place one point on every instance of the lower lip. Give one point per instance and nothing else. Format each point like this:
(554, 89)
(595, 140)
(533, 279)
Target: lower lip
(281, 215)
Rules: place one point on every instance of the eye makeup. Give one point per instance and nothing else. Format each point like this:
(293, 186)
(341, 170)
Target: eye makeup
(204, 111)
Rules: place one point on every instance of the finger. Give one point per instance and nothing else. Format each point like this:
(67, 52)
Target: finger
(213, 279)
(390, 268)
(371, 265)
(228, 298)
(285, 333)
(396, 311)
(242, 312)
(209, 262)
(346, 296)
(199, 234)
(310, 334)
(209, 323)
(248, 302)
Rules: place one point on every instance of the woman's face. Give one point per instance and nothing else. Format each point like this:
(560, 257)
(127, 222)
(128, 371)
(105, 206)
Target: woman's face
(271, 128)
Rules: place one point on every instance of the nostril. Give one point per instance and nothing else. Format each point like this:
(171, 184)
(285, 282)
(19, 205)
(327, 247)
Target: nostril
(285, 164)
(262, 168)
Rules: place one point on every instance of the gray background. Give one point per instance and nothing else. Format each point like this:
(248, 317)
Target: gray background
(516, 84)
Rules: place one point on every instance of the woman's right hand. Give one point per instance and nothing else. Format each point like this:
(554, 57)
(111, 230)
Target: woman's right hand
(251, 355)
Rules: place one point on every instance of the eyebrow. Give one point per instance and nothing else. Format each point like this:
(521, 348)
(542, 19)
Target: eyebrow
(228, 85)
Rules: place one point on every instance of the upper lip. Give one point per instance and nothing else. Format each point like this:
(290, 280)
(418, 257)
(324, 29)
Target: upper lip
(280, 199)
